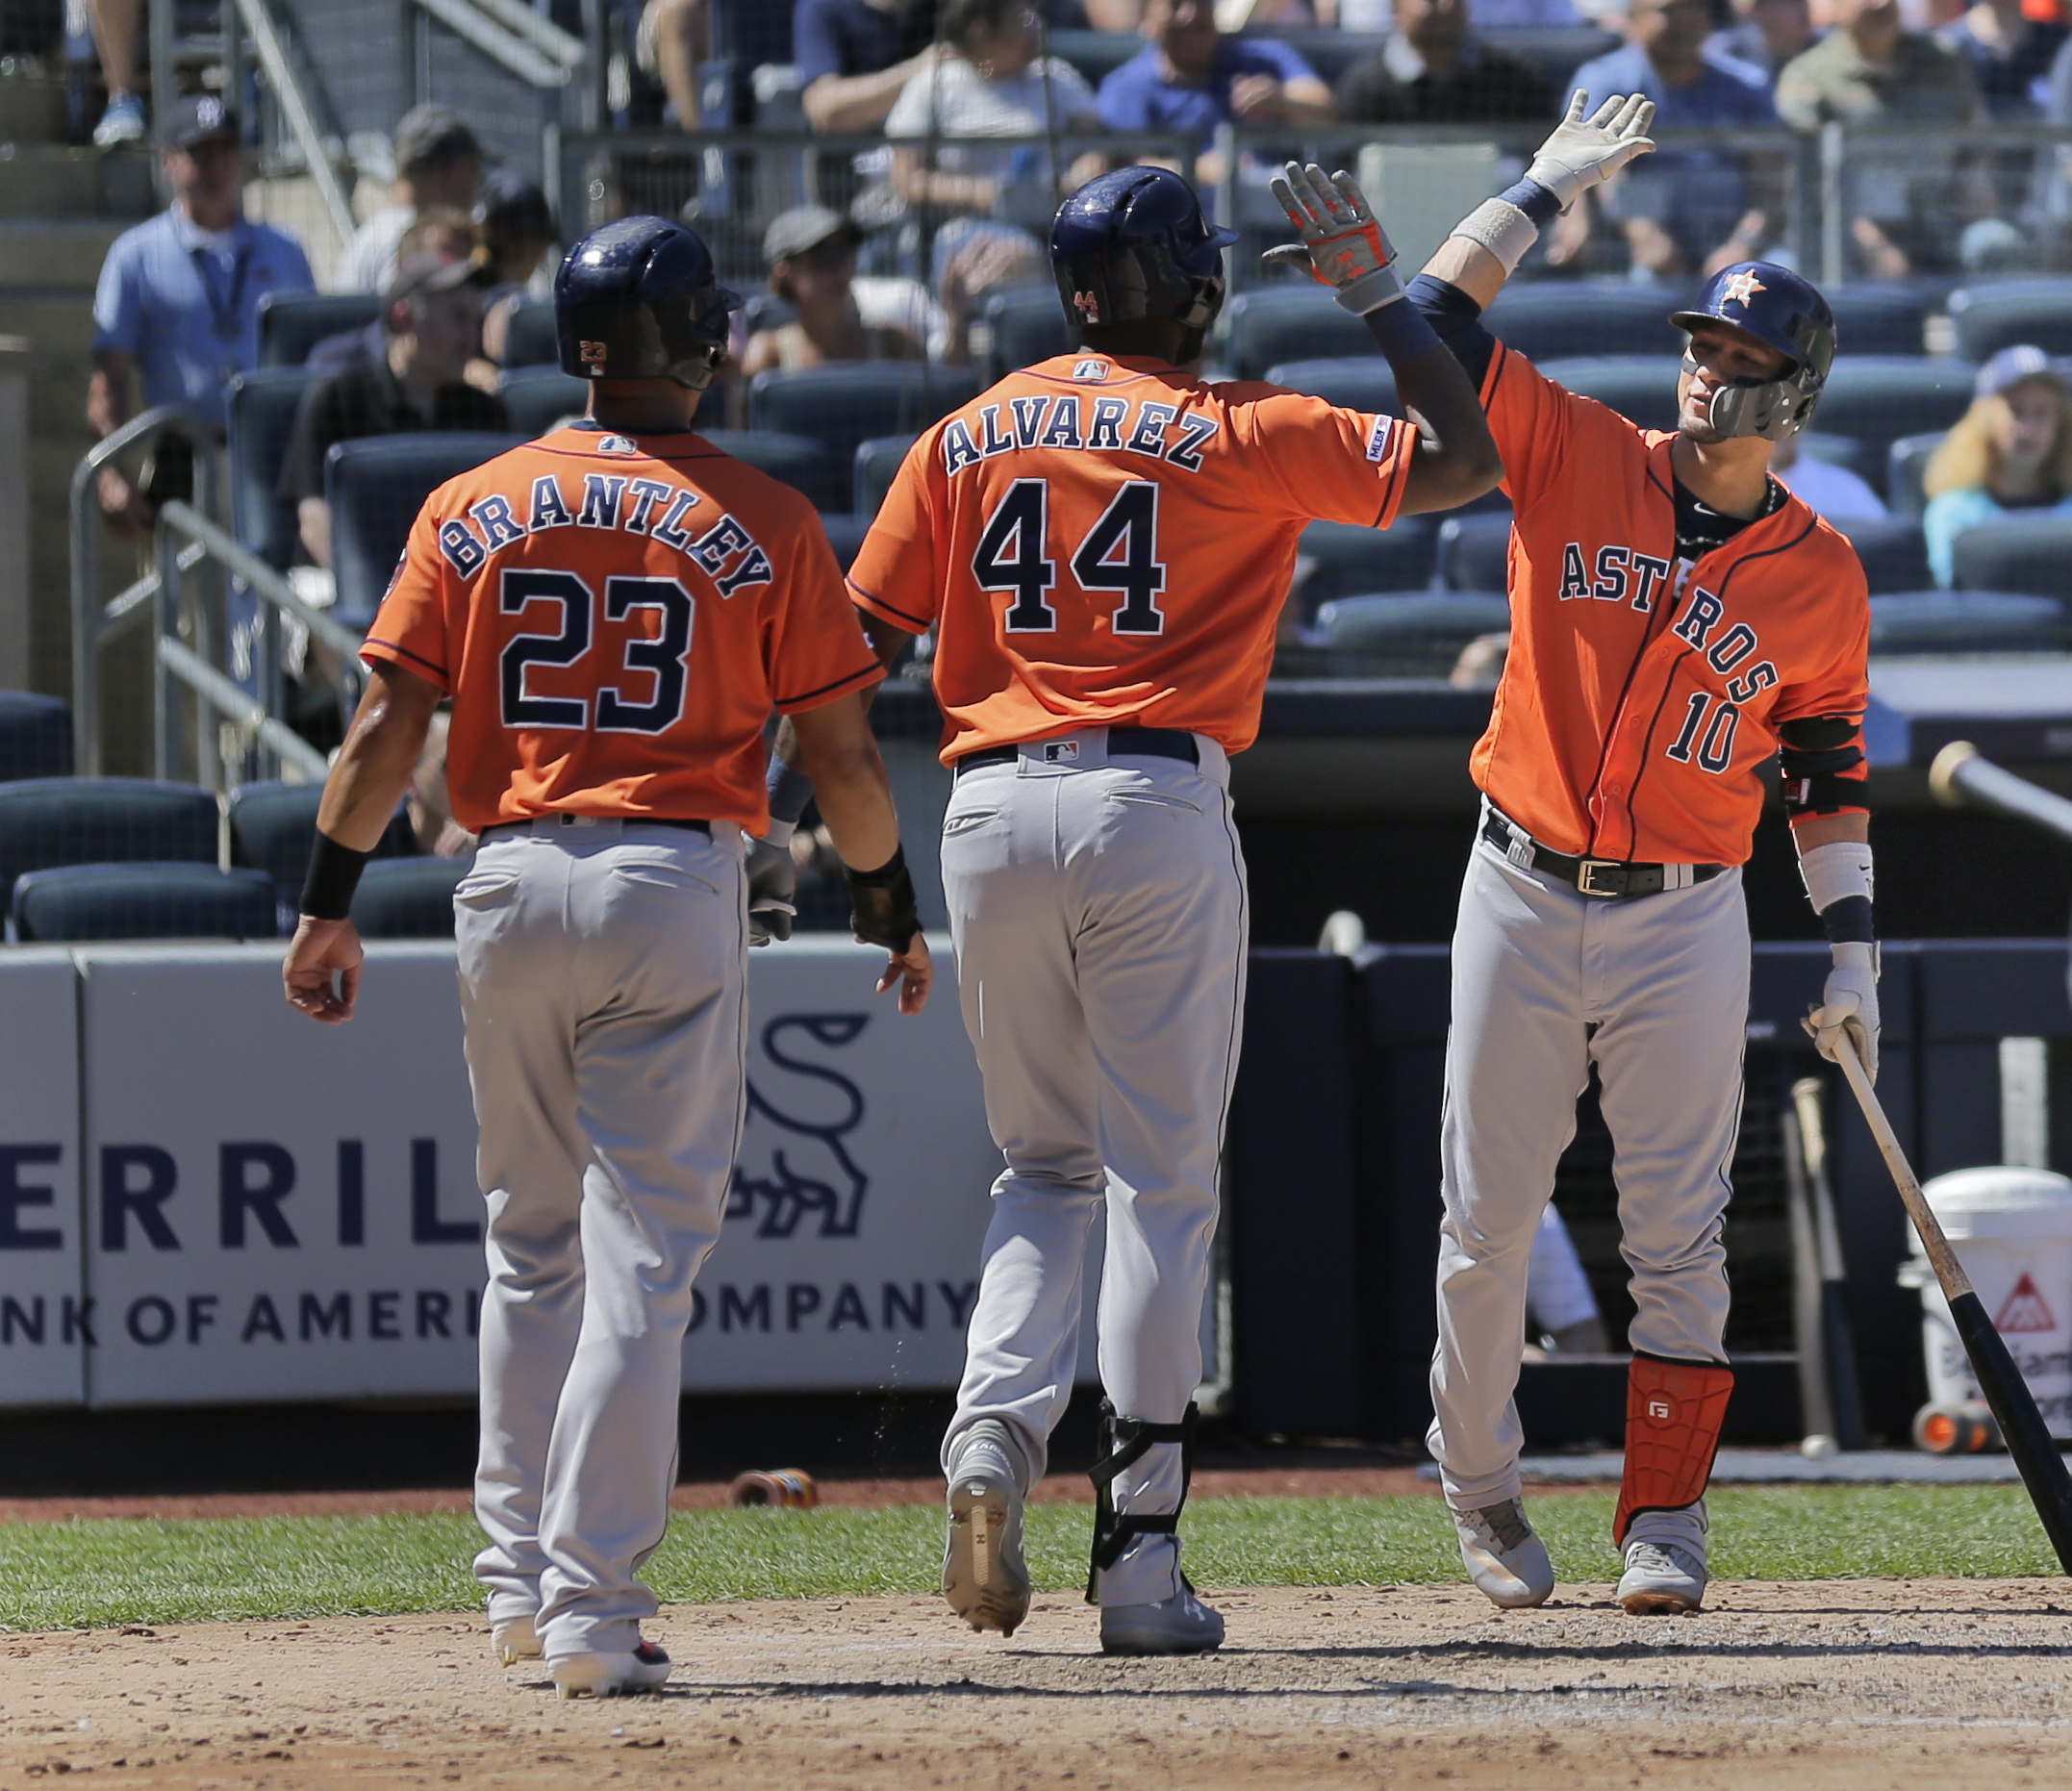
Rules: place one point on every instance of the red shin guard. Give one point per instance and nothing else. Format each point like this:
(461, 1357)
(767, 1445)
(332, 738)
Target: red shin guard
(1674, 1411)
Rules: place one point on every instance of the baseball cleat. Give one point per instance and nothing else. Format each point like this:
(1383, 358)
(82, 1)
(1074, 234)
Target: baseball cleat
(1504, 1556)
(514, 1640)
(611, 1676)
(1181, 1624)
(1661, 1578)
(984, 1576)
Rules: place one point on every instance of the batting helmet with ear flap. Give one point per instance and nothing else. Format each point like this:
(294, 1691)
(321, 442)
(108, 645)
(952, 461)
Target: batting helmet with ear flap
(641, 299)
(1782, 311)
(1134, 244)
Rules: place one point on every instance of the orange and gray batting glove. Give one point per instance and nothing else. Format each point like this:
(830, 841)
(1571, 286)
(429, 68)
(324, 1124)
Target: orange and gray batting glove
(1342, 242)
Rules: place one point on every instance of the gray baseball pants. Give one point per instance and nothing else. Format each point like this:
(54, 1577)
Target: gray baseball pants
(1097, 911)
(602, 969)
(1654, 991)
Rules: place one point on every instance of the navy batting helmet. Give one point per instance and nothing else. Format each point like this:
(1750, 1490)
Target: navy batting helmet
(1782, 311)
(641, 299)
(1134, 244)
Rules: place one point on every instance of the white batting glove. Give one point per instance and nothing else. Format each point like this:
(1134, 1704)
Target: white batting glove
(1583, 153)
(1848, 1003)
(772, 884)
(1343, 243)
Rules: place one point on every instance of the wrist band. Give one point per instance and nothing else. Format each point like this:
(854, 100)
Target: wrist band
(1371, 292)
(1402, 332)
(1848, 920)
(1502, 228)
(1834, 872)
(334, 874)
(790, 790)
(884, 876)
(1541, 204)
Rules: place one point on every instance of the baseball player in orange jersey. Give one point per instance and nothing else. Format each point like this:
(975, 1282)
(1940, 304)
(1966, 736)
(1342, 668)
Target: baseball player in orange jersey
(1102, 544)
(614, 610)
(1676, 618)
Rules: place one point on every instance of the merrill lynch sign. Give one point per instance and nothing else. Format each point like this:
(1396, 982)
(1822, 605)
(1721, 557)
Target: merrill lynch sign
(204, 1197)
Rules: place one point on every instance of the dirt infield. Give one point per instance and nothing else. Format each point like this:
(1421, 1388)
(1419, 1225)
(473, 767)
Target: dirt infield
(1860, 1683)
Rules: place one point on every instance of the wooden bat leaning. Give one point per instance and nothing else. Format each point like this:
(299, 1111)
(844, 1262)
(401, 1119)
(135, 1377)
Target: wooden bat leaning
(1838, 1347)
(2035, 1449)
(1959, 774)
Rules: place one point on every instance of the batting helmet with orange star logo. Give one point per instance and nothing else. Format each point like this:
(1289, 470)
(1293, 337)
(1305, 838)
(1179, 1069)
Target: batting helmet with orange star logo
(1784, 312)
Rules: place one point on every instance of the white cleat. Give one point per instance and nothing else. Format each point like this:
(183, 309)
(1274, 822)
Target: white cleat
(1181, 1624)
(985, 1578)
(647, 1669)
(514, 1640)
(1665, 1563)
(1504, 1556)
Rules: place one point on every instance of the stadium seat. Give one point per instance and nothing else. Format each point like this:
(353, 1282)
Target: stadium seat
(1095, 53)
(1027, 325)
(142, 901)
(1553, 52)
(767, 310)
(1350, 561)
(1866, 460)
(1965, 621)
(849, 402)
(1893, 552)
(1294, 321)
(36, 735)
(375, 487)
(1474, 553)
(1872, 318)
(262, 410)
(798, 461)
(1641, 387)
(2025, 554)
(539, 398)
(273, 828)
(1358, 381)
(1561, 320)
(292, 323)
(531, 340)
(1434, 622)
(845, 535)
(1906, 461)
(408, 898)
(1879, 398)
(1991, 318)
(877, 461)
(47, 821)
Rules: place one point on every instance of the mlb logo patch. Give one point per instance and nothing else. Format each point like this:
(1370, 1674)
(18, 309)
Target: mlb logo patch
(1093, 371)
(1060, 751)
(616, 445)
(1377, 442)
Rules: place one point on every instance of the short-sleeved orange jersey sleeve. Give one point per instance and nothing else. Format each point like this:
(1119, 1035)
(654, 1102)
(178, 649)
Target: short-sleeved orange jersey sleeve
(615, 619)
(1100, 540)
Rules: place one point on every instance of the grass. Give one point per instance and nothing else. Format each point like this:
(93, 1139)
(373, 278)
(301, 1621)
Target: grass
(105, 1573)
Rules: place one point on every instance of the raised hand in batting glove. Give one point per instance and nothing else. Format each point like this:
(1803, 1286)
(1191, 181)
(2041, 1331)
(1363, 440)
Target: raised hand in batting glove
(883, 912)
(772, 891)
(1342, 243)
(1583, 153)
(1848, 1003)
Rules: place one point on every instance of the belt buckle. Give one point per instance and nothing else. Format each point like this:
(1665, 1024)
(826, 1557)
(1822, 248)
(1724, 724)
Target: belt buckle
(1587, 883)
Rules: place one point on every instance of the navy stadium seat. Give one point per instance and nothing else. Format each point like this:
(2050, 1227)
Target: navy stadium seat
(1425, 622)
(849, 402)
(1879, 398)
(36, 735)
(1026, 324)
(2025, 554)
(262, 410)
(1865, 459)
(1095, 53)
(798, 461)
(538, 398)
(375, 487)
(877, 461)
(1475, 553)
(1553, 52)
(1974, 622)
(1560, 319)
(273, 828)
(143, 902)
(530, 341)
(1906, 461)
(1640, 388)
(1357, 382)
(845, 533)
(1294, 321)
(292, 323)
(1872, 318)
(1991, 318)
(408, 898)
(47, 821)
(1893, 552)
(1351, 561)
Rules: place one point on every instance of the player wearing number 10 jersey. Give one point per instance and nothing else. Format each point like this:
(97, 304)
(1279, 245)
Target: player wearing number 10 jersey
(1102, 545)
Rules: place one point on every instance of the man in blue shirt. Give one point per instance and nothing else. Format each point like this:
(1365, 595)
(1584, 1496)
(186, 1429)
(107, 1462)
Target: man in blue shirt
(1685, 211)
(177, 301)
(854, 57)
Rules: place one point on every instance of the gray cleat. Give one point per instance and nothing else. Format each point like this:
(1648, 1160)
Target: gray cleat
(984, 1576)
(1662, 1578)
(1504, 1556)
(646, 1668)
(1181, 1624)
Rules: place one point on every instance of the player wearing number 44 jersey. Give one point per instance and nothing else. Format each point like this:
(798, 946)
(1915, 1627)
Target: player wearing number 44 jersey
(613, 611)
(1676, 618)
(1102, 544)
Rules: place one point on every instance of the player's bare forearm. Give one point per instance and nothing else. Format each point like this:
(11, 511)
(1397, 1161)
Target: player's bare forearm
(1469, 266)
(1457, 459)
(1811, 830)
(837, 749)
(381, 750)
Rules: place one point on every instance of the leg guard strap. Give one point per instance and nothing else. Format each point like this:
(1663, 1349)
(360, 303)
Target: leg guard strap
(1674, 1411)
(1123, 1443)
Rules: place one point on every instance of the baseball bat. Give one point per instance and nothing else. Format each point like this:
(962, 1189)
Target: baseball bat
(1816, 1404)
(1959, 774)
(1844, 1394)
(2029, 1442)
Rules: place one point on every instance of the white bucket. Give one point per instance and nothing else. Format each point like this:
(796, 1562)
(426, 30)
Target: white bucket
(2011, 1229)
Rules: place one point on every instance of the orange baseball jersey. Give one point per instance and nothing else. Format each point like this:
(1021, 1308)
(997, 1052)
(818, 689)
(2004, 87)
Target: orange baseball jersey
(1101, 539)
(615, 619)
(1643, 694)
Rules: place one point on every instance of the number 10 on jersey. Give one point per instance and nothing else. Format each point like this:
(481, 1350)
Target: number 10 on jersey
(1119, 553)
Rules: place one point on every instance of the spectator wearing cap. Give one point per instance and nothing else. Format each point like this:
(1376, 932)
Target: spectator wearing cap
(855, 57)
(177, 301)
(2011, 451)
(441, 231)
(812, 257)
(1434, 70)
(433, 312)
(517, 229)
(437, 163)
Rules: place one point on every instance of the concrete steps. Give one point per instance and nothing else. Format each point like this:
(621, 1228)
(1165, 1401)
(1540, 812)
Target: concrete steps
(55, 181)
(55, 253)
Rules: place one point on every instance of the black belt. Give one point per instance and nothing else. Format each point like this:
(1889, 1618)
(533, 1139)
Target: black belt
(1592, 877)
(1151, 742)
(576, 820)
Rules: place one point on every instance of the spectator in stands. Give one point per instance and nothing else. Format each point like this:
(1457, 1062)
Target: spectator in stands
(1680, 211)
(515, 227)
(1832, 492)
(433, 313)
(855, 57)
(1367, 15)
(444, 232)
(114, 24)
(437, 163)
(1767, 35)
(1870, 69)
(2012, 56)
(1434, 70)
(672, 38)
(2011, 451)
(177, 301)
(812, 257)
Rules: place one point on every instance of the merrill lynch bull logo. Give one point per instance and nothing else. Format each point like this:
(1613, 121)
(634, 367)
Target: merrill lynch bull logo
(793, 1164)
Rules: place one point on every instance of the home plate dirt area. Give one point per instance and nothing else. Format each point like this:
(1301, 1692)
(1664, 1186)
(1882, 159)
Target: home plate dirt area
(1882, 1683)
